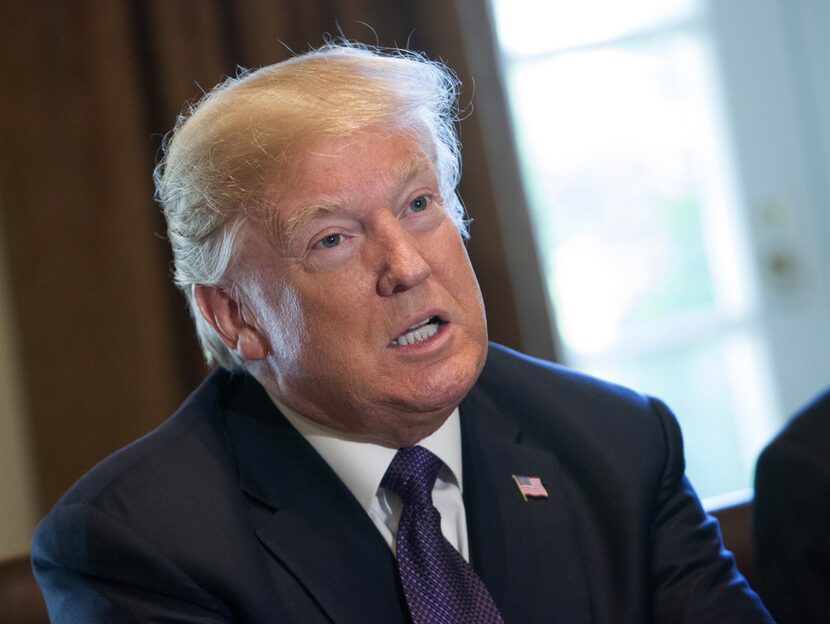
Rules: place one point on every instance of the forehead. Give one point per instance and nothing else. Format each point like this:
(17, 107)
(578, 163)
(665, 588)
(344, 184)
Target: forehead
(360, 158)
(368, 163)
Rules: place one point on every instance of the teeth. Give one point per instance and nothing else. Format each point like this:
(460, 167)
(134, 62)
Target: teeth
(421, 324)
(418, 333)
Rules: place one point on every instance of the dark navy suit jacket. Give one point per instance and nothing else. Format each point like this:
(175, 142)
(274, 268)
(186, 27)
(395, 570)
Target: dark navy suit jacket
(792, 518)
(225, 513)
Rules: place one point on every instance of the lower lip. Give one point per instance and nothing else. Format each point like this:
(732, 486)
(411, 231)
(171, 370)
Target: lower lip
(443, 329)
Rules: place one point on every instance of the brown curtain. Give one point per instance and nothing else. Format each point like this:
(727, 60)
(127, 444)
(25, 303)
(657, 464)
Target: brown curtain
(106, 350)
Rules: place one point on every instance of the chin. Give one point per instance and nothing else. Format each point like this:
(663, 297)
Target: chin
(446, 388)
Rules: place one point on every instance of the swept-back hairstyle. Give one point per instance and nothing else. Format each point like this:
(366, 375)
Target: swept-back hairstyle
(230, 150)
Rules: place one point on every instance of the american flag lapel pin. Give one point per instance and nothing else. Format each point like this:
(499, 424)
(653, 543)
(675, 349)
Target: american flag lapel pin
(530, 486)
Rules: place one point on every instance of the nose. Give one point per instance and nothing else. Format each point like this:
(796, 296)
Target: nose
(403, 266)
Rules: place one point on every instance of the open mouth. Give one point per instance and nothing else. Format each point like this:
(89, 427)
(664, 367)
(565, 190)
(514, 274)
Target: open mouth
(419, 332)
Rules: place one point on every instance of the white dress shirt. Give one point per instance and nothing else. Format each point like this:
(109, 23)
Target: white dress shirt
(361, 466)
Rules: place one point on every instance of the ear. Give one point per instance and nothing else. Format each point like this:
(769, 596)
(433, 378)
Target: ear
(224, 314)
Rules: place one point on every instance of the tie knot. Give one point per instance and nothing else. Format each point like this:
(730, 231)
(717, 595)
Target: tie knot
(412, 474)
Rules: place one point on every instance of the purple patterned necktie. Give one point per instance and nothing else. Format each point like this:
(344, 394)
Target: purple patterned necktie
(440, 587)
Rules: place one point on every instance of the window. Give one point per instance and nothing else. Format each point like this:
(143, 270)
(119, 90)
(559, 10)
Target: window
(638, 222)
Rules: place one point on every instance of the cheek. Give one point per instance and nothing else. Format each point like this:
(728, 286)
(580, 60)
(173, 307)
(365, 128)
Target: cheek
(457, 275)
(455, 265)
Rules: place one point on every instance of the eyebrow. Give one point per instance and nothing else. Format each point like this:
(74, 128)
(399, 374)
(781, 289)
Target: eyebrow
(319, 208)
(324, 206)
(417, 165)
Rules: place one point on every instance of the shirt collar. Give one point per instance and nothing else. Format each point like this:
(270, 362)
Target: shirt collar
(361, 465)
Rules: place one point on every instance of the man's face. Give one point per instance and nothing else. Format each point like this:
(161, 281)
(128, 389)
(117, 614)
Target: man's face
(367, 298)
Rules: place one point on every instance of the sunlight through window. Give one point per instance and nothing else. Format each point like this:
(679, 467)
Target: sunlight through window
(617, 113)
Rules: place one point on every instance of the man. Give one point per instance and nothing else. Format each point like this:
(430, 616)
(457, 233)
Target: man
(792, 516)
(319, 241)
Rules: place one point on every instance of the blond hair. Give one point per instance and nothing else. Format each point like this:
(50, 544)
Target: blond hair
(228, 149)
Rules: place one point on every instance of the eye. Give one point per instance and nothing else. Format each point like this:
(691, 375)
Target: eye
(419, 204)
(332, 240)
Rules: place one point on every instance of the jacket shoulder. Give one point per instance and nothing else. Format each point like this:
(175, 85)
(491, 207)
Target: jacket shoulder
(580, 417)
(193, 429)
(807, 433)
(515, 379)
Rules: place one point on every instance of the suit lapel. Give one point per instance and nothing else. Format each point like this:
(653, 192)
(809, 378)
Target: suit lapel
(315, 528)
(526, 552)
